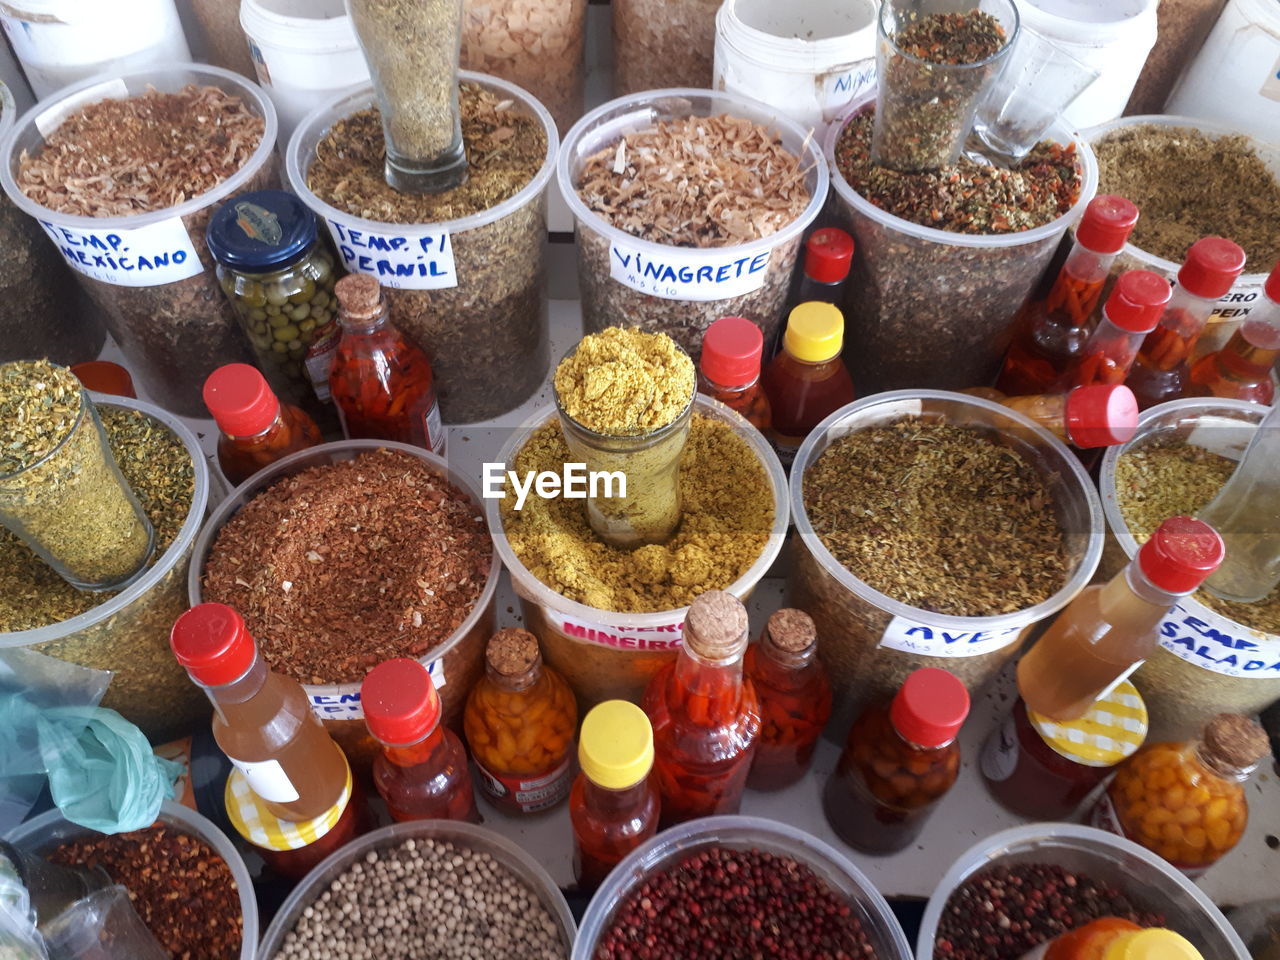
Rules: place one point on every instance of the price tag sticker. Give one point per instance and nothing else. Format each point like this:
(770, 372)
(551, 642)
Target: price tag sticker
(691, 275)
(911, 636)
(417, 258)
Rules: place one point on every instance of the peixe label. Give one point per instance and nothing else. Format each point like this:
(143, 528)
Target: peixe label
(1198, 635)
(346, 705)
(149, 256)
(666, 636)
(415, 259)
(911, 636)
(688, 275)
(528, 795)
(1237, 304)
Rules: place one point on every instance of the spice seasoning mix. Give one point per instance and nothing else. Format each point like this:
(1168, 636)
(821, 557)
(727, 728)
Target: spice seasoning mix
(663, 43)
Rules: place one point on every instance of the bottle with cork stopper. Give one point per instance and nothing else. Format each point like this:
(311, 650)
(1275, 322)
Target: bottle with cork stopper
(729, 369)
(1241, 369)
(705, 715)
(1131, 312)
(256, 428)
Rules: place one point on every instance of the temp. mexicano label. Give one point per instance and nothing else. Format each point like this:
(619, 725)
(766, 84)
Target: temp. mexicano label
(1200, 636)
(149, 256)
(679, 274)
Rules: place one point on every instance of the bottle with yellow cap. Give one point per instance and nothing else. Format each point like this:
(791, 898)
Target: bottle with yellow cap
(807, 380)
(1113, 938)
(613, 805)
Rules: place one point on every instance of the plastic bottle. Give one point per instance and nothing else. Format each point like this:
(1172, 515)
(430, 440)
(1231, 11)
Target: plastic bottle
(1131, 312)
(1109, 629)
(1053, 331)
(1163, 363)
(729, 369)
(795, 698)
(1241, 370)
(421, 771)
(899, 760)
(1114, 938)
(828, 254)
(705, 714)
(256, 428)
(613, 805)
(1099, 415)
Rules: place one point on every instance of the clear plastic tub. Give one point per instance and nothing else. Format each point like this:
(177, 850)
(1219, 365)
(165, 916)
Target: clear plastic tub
(607, 655)
(486, 333)
(468, 835)
(129, 634)
(43, 833)
(871, 642)
(1141, 875)
(676, 311)
(176, 327)
(455, 664)
(929, 308)
(744, 833)
(1206, 663)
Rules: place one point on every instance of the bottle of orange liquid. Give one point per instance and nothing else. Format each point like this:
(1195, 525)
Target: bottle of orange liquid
(729, 369)
(1108, 629)
(1241, 370)
(256, 428)
(1114, 938)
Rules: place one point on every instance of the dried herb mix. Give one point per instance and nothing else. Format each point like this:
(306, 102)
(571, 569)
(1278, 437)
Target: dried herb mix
(658, 44)
(952, 38)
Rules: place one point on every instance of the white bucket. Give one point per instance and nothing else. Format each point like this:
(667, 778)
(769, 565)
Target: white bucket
(1235, 78)
(60, 42)
(304, 52)
(809, 59)
(1112, 36)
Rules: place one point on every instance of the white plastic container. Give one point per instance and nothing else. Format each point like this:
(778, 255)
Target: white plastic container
(1112, 36)
(1235, 78)
(62, 41)
(808, 59)
(304, 52)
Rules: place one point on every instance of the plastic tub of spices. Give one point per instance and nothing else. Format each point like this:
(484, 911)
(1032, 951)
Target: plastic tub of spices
(882, 932)
(1213, 656)
(283, 939)
(871, 641)
(1144, 882)
(677, 288)
(470, 289)
(149, 272)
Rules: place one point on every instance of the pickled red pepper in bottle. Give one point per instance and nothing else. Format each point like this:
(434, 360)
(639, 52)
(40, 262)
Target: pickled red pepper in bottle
(1163, 365)
(1109, 629)
(1186, 801)
(1099, 415)
(421, 770)
(729, 369)
(519, 721)
(613, 805)
(795, 699)
(1052, 332)
(899, 760)
(1241, 369)
(381, 382)
(1131, 312)
(705, 715)
(1114, 938)
(257, 429)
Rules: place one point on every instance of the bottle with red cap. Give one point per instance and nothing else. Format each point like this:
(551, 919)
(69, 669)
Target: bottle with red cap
(1241, 370)
(1131, 312)
(1099, 415)
(729, 369)
(257, 429)
(1109, 629)
(421, 771)
(828, 254)
(1053, 330)
(900, 759)
(1163, 364)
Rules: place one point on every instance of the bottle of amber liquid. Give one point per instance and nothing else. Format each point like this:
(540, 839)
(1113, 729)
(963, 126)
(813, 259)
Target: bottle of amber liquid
(705, 715)
(519, 721)
(795, 699)
(899, 761)
(1241, 370)
(421, 771)
(1131, 312)
(613, 805)
(1099, 415)
(256, 428)
(729, 369)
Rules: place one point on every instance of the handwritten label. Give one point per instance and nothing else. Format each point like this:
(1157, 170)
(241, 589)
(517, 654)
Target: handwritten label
(345, 704)
(418, 258)
(1271, 86)
(1194, 633)
(910, 636)
(841, 88)
(679, 274)
(145, 257)
(1237, 304)
(268, 780)
(666, 636)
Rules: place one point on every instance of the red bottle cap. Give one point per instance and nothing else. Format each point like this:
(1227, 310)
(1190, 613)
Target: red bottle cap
(1107, 222)
(1181, 554)
(1272, 287)
(930, 708)
(731, 350)
(240, 400)
(210, 640)
(1101, 415)
(1138, 300)
(103, 376)
(827, 255)
(400, 702)
(1211, 267)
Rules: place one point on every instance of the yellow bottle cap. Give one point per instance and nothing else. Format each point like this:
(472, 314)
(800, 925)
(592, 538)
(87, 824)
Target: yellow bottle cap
(615, 747)
(1151, 945)
(815, 332)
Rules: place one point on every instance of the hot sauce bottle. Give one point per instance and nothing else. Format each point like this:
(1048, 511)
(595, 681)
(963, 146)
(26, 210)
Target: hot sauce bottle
(519, 720)
(795, 699)
(256, 428)
(381, 382)
(1241, 370)
(613, 805)
(729, 369)
(1099, 415)
(1052, 332)
(1131, 312)
(705, 715)
(421, 771)
(1114, 938)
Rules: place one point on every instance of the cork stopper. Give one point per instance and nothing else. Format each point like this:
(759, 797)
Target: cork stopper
(512, 652)
(791, 631)
(716, 627)
(359, 296)
(1235, 741)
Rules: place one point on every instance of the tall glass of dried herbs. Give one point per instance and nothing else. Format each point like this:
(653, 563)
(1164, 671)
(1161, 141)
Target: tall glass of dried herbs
(60, 488)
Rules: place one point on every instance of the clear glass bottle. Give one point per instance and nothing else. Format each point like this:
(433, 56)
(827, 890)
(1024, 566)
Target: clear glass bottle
(1131, 312)
(256, 428)
(1114, 938)
(729, 369)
